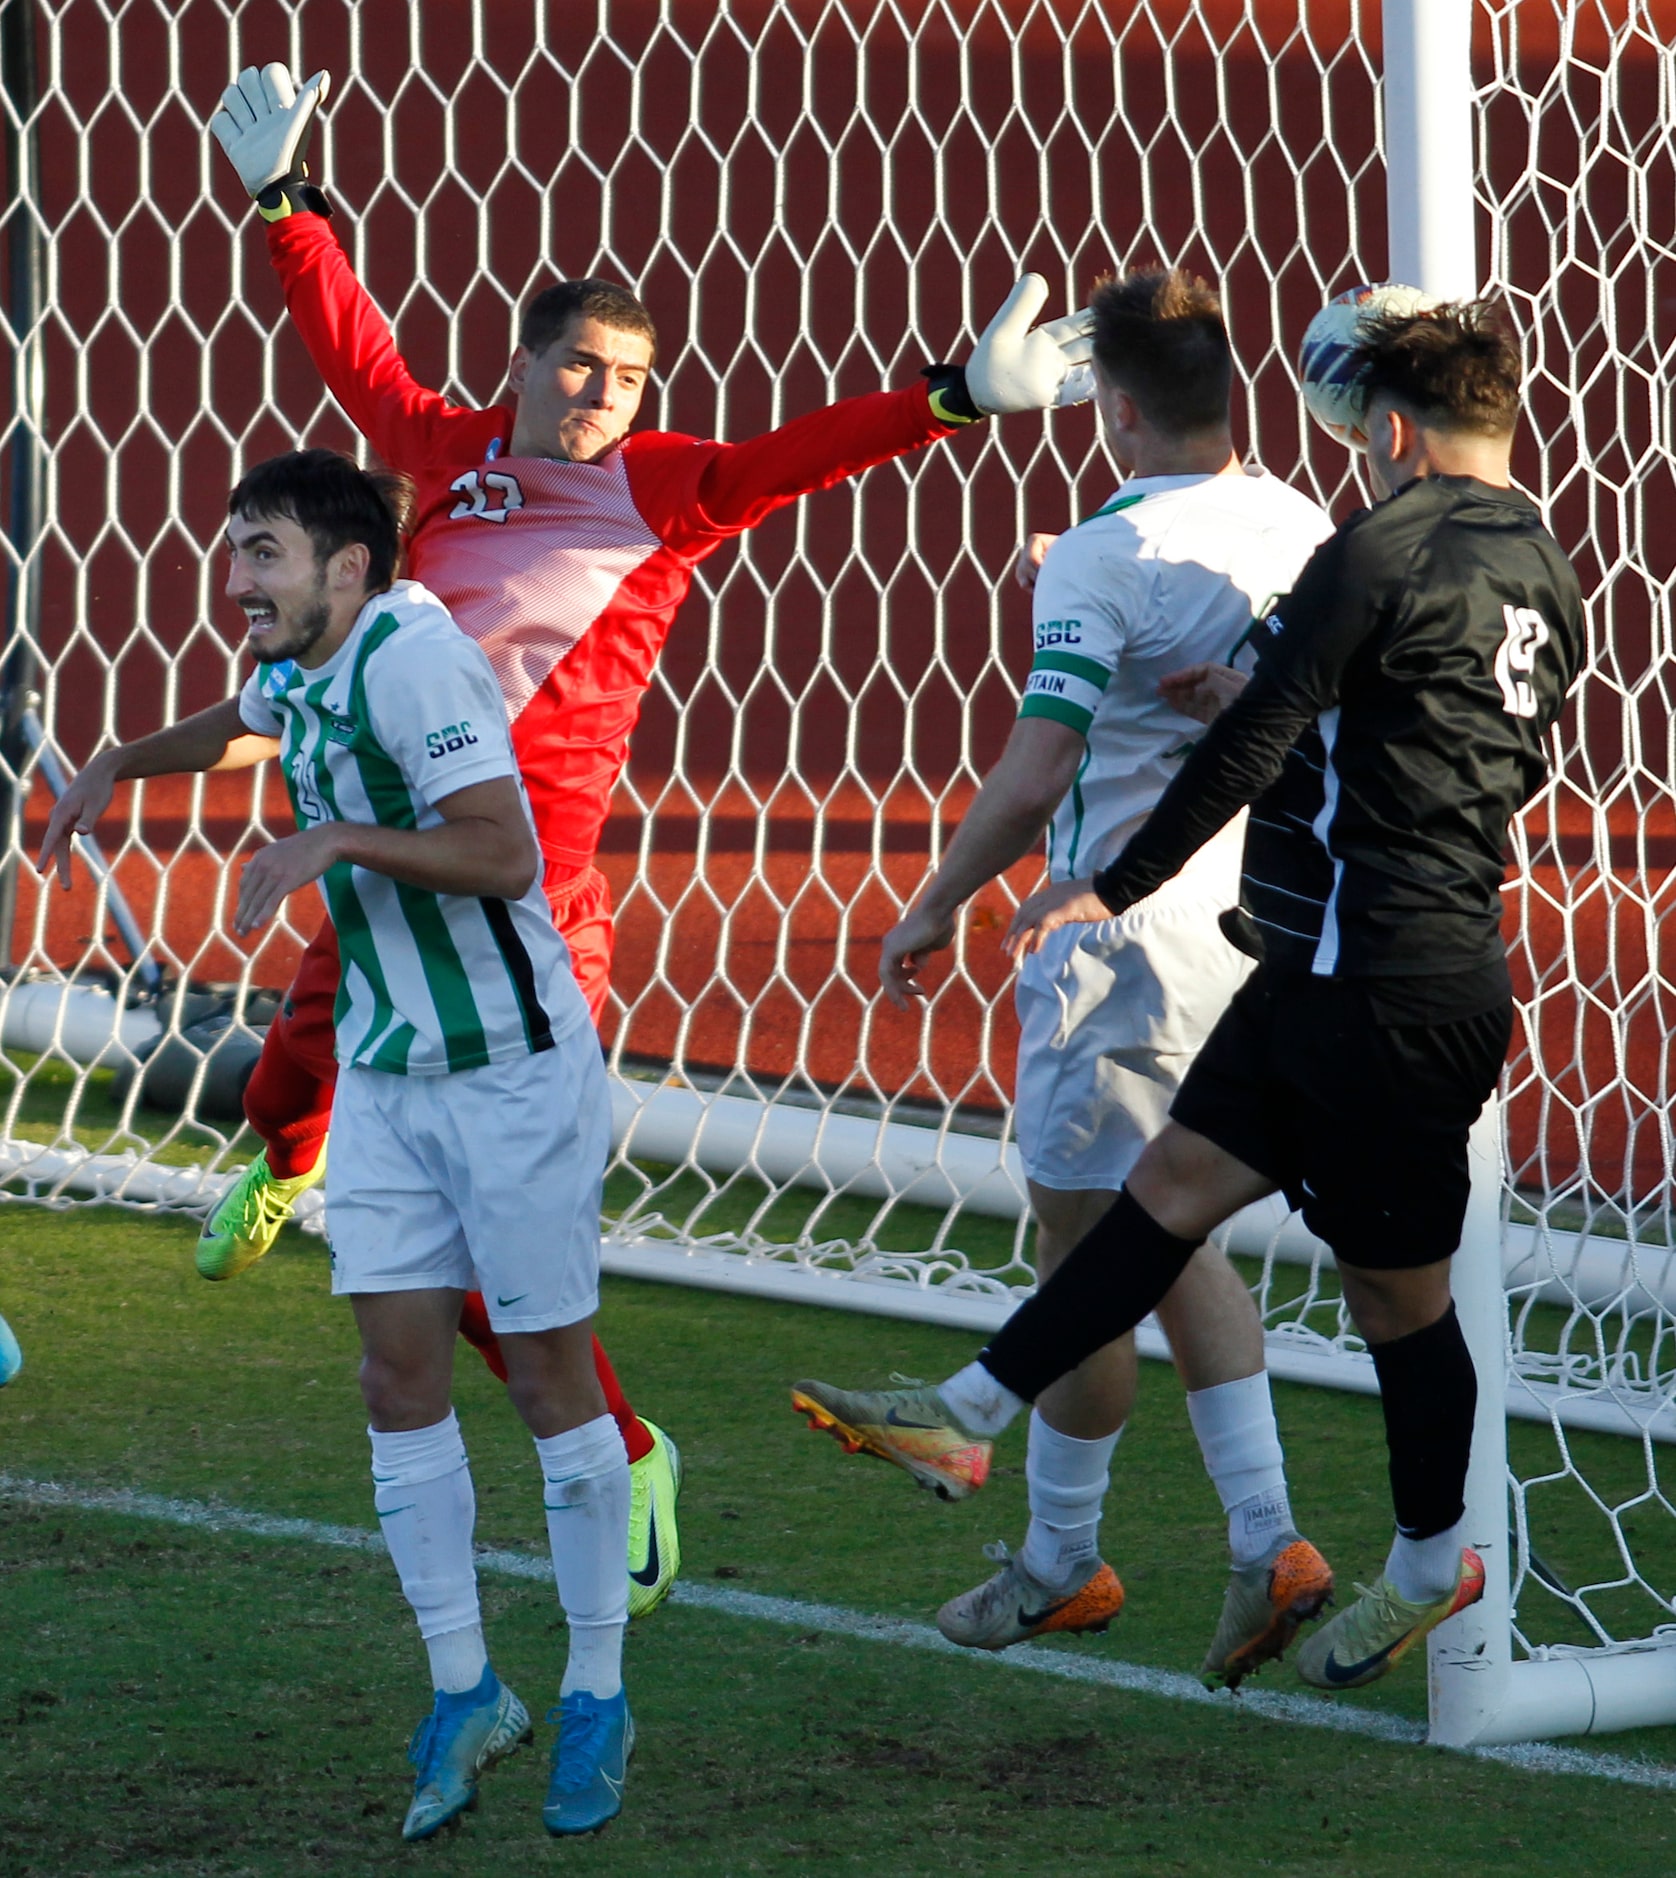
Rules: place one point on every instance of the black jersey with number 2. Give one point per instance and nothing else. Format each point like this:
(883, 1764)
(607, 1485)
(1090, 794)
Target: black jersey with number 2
(1396, 723)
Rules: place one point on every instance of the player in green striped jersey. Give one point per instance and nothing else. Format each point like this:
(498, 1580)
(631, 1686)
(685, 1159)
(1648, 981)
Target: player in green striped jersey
(472, 1120)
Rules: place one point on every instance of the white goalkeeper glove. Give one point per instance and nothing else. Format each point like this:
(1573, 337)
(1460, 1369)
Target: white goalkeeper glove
(1015, 368)
(264, 124)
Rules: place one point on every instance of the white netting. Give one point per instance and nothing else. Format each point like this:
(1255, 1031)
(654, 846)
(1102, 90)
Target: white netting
(816, 199)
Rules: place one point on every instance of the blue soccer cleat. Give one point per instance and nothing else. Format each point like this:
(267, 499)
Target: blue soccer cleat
(11, 1354)
(590, 1762)
(461, 1737)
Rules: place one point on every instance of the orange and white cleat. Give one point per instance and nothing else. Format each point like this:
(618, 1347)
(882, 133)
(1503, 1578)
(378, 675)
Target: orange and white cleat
(1265, 1605)
(1013, 1606)
(911, 1428)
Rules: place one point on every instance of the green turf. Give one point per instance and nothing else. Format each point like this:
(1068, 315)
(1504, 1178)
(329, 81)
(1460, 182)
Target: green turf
(174, 1702)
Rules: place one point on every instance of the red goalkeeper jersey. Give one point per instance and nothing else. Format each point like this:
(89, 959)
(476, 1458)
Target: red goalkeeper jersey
(567, 574)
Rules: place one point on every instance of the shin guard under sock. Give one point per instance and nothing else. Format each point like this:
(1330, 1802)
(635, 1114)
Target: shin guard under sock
(586, 1494)
(1429, 1391)
(426, 1512)
(1065, 1480)
(1116, 1274)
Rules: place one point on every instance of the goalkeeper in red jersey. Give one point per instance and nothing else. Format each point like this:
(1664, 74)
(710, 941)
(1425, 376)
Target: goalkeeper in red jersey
(564, 546)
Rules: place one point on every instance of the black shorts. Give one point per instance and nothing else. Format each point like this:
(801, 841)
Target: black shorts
(1363, 1125)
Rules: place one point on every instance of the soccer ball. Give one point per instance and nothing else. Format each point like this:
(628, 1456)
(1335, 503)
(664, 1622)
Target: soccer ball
(1327, 366)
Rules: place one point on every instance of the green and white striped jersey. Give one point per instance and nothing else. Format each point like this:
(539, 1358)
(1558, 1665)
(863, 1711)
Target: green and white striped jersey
(405, 713)
(1170, 572)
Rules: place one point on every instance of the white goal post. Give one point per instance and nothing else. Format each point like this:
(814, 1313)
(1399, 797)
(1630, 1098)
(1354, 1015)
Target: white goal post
(816, 197)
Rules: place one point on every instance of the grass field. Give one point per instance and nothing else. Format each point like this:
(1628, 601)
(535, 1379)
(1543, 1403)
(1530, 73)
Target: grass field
(180, 1700)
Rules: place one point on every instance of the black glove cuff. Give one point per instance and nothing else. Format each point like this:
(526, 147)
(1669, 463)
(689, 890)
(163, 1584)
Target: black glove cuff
(950, 400)
(292, 195)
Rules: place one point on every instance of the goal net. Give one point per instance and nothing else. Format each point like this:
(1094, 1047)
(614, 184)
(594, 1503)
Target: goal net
(816, 197)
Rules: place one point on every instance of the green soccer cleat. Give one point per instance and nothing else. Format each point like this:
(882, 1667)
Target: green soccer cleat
(590, 1763)
(911, 1428)
(1012, 1607)
(1265, 1605)
(246, 1223)
(1376, 1632)
(654, 1543)
(462, 1737)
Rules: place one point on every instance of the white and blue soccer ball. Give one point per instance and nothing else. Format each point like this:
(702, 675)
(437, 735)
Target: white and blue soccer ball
(1328, 369)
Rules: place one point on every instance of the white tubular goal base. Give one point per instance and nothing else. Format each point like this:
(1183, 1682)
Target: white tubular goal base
(1479, 1696)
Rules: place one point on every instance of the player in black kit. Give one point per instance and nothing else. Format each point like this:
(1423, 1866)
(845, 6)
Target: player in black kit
(1396, 722)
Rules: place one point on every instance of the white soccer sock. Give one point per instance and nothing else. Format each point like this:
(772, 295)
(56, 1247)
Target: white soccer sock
(1241, 1447)
(1067, 1479)
(980, 1404)
(1424, 1570)
(426, 1511)
(458, 1659)
(586, 1478)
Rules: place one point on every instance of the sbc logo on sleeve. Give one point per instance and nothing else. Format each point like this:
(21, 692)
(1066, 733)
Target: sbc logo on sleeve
(450, 738)
(1058, 632)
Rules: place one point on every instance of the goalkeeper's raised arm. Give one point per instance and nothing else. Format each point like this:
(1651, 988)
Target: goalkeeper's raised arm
(595, 528)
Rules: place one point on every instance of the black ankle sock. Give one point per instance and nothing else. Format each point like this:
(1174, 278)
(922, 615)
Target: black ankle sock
(1117, 1273)
(1429, 1391)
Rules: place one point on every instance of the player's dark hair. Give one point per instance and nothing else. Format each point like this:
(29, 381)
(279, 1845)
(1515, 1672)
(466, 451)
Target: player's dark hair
(1159, 336)
(1455, 367)
(334, 502)
(549, 314)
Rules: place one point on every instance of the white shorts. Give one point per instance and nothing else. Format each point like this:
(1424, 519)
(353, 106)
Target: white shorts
(1110, 1016)
(484, 1179)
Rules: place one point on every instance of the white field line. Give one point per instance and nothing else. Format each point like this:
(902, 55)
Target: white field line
(834, 1620)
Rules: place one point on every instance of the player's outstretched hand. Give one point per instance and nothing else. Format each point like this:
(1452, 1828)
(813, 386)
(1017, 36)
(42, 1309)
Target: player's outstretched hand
(907, 947)
(264, 124)
(1016, 368)
(280, 869)
(75, 813)
(1030, 559)
(1200, 691)
(1065, 903)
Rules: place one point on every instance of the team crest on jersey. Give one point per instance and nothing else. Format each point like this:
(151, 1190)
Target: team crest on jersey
(339, 729)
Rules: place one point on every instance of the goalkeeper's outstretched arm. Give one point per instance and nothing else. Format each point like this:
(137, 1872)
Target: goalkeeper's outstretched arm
(1014, 367)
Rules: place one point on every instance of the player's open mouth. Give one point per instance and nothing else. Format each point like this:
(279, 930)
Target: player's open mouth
(259, 617)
